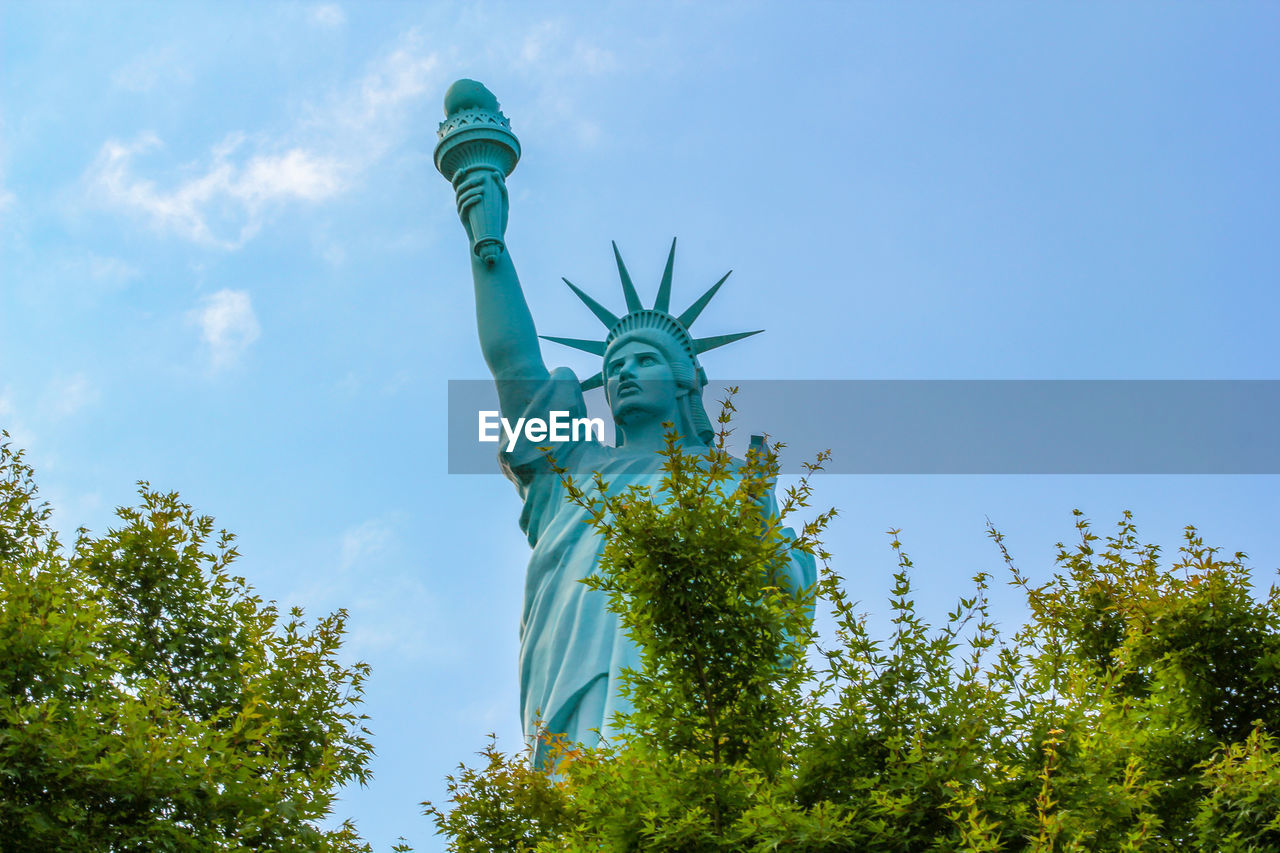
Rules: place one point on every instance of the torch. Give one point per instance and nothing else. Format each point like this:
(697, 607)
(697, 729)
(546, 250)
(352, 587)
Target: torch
(476, 135)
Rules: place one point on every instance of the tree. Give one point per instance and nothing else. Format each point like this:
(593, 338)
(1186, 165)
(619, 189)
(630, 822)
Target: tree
(151, 701)
(1136, 710)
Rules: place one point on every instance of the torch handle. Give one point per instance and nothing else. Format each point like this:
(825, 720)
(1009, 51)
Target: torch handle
(487, 218)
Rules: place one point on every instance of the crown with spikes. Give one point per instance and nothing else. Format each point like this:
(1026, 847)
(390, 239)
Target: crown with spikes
(657, 318)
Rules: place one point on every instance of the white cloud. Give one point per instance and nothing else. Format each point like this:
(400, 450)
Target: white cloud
(328, 15)
(227, 325)
(380, 98)
(295, 174)
(193, 206)
(225, 198)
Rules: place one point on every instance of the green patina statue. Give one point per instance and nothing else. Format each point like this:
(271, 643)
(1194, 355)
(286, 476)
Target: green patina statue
(572, 650)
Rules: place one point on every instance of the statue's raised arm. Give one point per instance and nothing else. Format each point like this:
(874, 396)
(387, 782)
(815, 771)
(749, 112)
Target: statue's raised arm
(508, 338)
(477, 151)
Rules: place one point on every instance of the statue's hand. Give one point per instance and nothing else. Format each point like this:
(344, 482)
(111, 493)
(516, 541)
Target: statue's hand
(482, 186)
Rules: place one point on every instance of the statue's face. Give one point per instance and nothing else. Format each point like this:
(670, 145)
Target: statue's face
(640, 383)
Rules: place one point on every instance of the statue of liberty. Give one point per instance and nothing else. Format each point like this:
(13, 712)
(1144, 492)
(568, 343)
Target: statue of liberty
(572, 649)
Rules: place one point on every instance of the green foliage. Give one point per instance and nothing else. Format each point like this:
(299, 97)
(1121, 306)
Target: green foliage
(1241, 811)
(720, 629)
(505, 805)
(1135, 711)
(149, 701)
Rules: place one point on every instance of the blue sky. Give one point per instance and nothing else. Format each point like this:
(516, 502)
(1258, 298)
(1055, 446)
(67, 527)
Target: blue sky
(230, 268)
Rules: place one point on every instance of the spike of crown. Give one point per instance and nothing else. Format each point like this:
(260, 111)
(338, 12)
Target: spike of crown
(656, 319)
